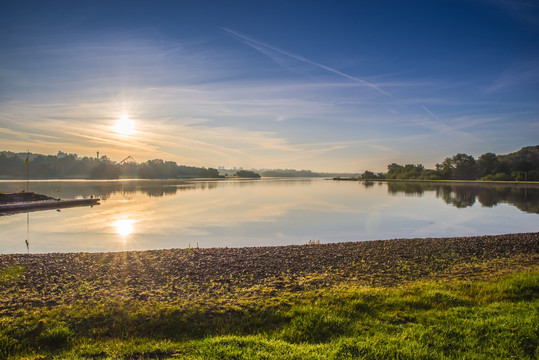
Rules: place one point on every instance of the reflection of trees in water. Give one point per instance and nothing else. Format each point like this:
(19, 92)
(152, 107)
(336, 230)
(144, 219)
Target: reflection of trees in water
(368, 184)
(409, 188)
(462, 196)
(152, 190)
(526, 200)
(104, 189)
(489, 198)
(285, 182)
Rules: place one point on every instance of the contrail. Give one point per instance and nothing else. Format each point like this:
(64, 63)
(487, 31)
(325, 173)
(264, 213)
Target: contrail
(430, 113)
(257, 45)
(440, 127)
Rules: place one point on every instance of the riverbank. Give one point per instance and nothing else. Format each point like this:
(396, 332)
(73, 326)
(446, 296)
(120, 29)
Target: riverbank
(175, 274)
(329, 301)
(528, 184)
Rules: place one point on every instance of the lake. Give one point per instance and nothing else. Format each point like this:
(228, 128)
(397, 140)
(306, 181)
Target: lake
(148, 214)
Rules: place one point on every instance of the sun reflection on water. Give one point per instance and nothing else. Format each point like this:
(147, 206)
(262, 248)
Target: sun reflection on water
(124, 227)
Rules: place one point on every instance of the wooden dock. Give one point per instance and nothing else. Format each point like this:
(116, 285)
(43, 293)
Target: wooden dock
(22, 202)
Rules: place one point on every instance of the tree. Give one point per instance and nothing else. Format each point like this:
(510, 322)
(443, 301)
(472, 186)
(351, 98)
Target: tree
(459, 167)
(105, 170)
(247, 174)
(430, 175)
(465, 167)
(47, 167)
(393, 170)
(158, 169)
(445, 169)
(523, 167)
(368, 175)
(411, 171)
(488, 164)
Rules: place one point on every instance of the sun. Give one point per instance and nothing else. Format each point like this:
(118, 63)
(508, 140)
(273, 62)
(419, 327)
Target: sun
(124, 126)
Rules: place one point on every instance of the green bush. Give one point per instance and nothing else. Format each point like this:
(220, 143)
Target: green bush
(503, 177)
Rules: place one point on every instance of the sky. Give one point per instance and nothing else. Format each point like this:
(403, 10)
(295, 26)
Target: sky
(337, 86)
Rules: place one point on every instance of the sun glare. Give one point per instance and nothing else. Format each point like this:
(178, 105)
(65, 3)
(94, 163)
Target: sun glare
(124, 227)
(124, 126)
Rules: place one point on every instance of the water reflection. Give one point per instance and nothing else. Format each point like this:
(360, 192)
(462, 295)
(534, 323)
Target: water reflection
(368, 184)
(463, 196)
(143, 215)
(105, 188)
(124, 227)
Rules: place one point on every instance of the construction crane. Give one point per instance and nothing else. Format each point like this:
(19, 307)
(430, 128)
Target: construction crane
(127, 158)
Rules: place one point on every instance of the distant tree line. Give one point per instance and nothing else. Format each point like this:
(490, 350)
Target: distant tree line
(159, 169)
(522, 165)
(70, 166)
(289, 173)
(302, 173)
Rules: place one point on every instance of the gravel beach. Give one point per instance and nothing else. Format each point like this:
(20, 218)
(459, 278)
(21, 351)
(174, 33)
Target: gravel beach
(178, 275)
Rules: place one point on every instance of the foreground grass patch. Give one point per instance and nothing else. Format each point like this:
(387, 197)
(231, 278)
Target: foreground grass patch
(11, 273)
(495, 319)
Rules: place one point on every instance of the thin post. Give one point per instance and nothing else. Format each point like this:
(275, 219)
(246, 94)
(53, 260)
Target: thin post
(27, 232)
(27, 170)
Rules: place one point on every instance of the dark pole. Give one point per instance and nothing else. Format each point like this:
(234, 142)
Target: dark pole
(27, 232)
(27, 170)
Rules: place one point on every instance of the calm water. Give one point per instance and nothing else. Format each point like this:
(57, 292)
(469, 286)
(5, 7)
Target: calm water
(141, 215)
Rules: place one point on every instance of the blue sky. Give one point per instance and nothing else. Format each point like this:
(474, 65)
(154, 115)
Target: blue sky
(321, 85)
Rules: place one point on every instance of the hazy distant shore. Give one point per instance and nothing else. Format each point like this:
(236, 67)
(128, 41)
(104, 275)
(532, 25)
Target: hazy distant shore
(181, 273)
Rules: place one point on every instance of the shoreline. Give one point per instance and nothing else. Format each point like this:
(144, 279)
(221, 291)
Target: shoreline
(305, 299)
(174, 275)
(529, 184)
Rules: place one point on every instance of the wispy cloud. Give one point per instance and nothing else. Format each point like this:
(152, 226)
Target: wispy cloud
(439, 126)
(265, 48)
(195, 104)
(517, 76)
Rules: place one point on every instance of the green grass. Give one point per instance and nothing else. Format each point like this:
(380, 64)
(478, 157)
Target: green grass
(11, 274)
(496, 319)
